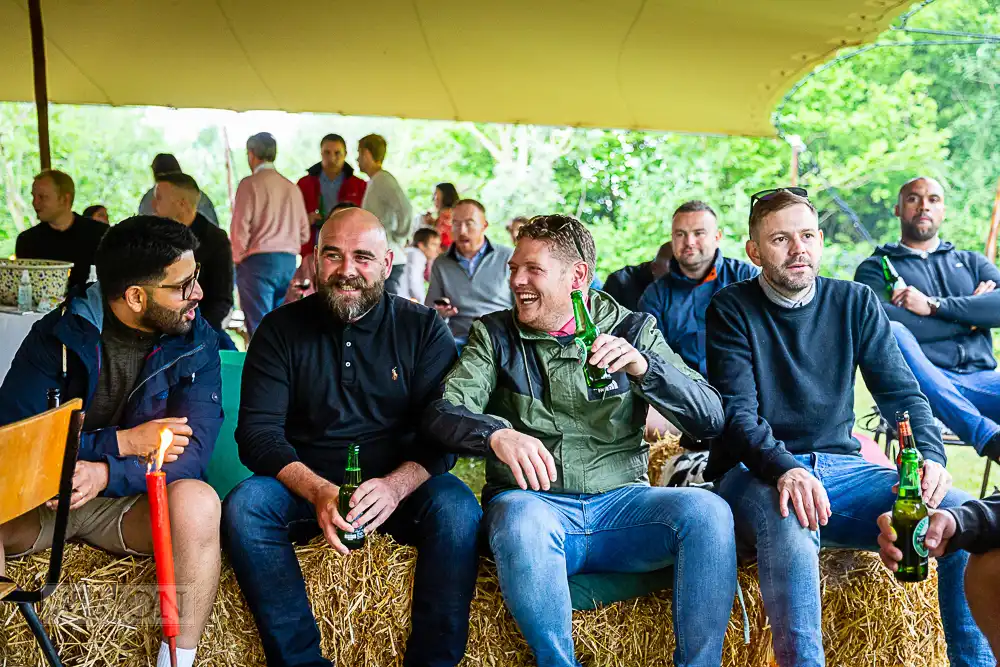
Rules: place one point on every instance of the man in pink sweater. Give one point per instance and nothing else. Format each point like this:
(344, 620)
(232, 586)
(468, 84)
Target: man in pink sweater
(269, 226)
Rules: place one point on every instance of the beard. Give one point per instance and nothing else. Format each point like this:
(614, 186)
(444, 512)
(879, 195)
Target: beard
(350, 307)
(166, 321)
(913, 232)
(779, 276)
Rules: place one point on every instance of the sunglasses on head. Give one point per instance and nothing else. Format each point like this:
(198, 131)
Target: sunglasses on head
(572, 235)
(764, 195)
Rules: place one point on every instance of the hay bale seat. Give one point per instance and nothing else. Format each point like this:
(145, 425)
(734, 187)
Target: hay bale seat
(105, 614)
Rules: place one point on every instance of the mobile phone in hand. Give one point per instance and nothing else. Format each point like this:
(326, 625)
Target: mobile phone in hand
(444, 303)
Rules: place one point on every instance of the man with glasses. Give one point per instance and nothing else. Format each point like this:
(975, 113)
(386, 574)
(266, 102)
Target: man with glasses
(784, 350)
(566, 485)
(135, 349)
(470, 280)
(176, 196)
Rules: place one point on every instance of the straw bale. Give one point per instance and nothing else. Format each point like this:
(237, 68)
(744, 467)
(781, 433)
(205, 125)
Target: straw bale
(659, 451)
(102, 616)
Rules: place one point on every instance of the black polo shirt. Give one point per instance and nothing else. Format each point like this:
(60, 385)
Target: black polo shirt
(313, 385)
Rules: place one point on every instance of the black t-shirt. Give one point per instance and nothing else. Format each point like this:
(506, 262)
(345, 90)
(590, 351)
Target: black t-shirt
(78, 244)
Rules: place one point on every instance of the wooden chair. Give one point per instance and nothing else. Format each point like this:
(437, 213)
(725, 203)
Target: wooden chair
(39, 457)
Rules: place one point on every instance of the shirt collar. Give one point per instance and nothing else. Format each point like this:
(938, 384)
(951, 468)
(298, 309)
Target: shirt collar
(713, 273)
(367, 323)
(458, 257)
(914, 251)
(264, 165)
(783, 301)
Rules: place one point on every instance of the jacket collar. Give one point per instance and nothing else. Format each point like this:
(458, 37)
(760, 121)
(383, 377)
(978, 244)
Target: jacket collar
(898, 250)
(317, 169)
(605, 312)
(83, 321)
(677, 274)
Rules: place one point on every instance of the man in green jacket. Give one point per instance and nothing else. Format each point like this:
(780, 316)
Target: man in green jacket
(566, 484)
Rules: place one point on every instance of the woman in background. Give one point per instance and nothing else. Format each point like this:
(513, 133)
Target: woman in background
(445, 197)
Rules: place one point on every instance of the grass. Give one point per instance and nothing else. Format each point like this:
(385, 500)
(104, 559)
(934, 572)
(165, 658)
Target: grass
(472, 471)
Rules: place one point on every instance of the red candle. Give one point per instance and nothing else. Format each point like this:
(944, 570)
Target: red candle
(163, 551)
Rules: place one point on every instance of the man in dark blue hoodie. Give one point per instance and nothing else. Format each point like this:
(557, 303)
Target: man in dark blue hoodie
(942, 312)
(135, 349)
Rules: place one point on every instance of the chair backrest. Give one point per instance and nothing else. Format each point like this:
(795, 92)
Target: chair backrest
(32, 452)
(225, 470)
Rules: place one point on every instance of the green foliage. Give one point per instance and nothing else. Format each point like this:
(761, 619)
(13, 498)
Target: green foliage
(869, 122)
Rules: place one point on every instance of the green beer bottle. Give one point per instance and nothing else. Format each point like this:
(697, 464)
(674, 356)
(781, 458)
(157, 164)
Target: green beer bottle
(893, 281)
(352, 480)
(586, 333)
(909, 519)
(906, 440)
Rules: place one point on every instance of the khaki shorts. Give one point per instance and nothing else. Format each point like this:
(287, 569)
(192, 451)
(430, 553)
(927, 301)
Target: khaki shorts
(98, 523)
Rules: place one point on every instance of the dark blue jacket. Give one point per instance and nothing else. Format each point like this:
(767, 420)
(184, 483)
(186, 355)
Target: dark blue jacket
(181, 378)
(679, 304)
(958, 337)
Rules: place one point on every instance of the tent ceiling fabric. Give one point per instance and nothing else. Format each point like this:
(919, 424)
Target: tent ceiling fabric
(716, 66)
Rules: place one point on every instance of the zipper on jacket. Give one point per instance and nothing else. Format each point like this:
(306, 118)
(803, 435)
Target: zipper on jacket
(163, 368)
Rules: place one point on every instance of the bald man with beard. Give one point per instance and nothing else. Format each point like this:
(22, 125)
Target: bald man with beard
(942, 316)
(349, 364)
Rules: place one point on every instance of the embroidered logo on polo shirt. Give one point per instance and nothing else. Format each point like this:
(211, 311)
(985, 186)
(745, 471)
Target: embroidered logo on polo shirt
(395, 375)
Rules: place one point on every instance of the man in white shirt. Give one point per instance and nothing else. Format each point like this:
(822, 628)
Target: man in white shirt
(388, 202)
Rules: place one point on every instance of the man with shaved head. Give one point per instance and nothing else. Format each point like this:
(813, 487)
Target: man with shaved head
(942, 311)
(349, 364)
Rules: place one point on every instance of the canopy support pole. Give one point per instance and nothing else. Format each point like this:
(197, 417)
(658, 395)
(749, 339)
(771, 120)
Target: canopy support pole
(991, 238)
(41, 84)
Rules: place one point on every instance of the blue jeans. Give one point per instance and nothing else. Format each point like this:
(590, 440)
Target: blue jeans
(262, 281)
(968, 403)
(541, 539)
(260, 520)
(788, 554)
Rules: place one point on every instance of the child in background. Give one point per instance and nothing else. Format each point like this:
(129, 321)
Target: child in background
(419, 256)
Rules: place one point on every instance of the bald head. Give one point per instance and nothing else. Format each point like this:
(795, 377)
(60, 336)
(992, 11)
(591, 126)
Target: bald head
(920, 210)
(920, 183)
(354, 222)
(352, 262)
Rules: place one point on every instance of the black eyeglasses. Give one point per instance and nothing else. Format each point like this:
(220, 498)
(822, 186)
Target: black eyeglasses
(186, 287)
(764, 195)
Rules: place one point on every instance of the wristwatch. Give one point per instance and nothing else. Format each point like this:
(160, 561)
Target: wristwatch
(934, 303)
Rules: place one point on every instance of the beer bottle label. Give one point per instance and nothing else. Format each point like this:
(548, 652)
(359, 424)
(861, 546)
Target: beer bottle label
(919, 533)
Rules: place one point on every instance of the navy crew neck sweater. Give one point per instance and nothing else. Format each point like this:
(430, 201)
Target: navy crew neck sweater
(787, 376)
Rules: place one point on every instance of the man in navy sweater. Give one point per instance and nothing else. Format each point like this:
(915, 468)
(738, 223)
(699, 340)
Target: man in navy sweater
(784, 350)
(942, 316)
